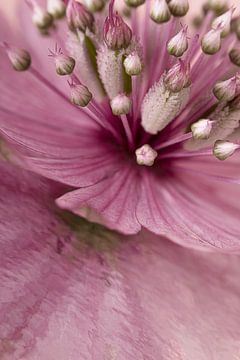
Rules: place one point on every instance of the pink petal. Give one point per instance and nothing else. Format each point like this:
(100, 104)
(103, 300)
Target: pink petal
(129, 298)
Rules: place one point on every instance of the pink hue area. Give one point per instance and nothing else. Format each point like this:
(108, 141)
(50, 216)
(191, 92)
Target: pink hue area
(121, 298)
(91, 150)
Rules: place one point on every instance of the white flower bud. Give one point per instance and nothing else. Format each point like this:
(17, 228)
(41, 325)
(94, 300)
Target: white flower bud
(211, 42)
(178, 7)
(201, 129)
(94, 5)
(41, 18)
(146, 155)
(179, 43)
(226, 90)
(64, 64)
(120, 104)
(234, 56)
(80, 95)
(224, 149)
(134, 3)
(133, 64)
(223, 22)
(56, 8)
(159, 11)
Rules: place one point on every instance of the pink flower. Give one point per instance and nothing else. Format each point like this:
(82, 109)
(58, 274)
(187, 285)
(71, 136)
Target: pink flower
(89, 293)
(141, 167)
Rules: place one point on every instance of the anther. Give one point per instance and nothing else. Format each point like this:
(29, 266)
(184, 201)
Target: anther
(133, 64)
(178, 77)
(178, 7)
(219, 6)
(234, 56)
(134, 3)
(94, 5)
(223, 22)
(146, 155)
(78, 17)
(179, 43)
(19, 58)
(201, 129)
(41, 18)
(159, 11)
(120, 104)
(56, 8)
(64, 63)
(117, 34)
(226, 90)
(224, 149)
(211, 41)
(80, 95)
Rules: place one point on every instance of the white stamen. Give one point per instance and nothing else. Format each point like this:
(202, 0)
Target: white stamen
(159, 11)
(202, 129)
(224, 149)
(217, 5)
(64, 64)
(161, 106)
(211, 41)
(121, 104)
(133, 64)
(41, 18)
(110, 71)
(226, 90)
(80, 95)
(223, 22)
(134, 3)
(146, 155)
(178, 7)
(19, 58)
(56, 8)
(179, 43)
(234, 56)
(177, 77)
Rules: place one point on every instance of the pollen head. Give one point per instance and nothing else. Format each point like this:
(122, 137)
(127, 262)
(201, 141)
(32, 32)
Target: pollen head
(159, 11)
(146, 155)
(178, 7)
(19, 58)
(41, 18)
(94, 5)
(117, 34)
(134, 3)
(201, 129)
(80, 95)
(224, 149)
(211, 41)
(178, 77)
(179, 43)
(133, 64)
(121, 104)
(234, 56)
(78, 17)
(56, 8)
(226, 90)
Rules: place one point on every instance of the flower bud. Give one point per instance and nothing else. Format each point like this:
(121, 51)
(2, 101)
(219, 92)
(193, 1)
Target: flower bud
(117, 34)
(217, 5)
(94, 5)
(133, 64)
(78, 17)
(223, 149)
(234, 56)
(178, 7)
(19, 58)
(134, 3)
(179, 43)
(201, 129)
(56, 8)
(64, 63)
(159, 11)
(223, 22)
(146, 155)
(121, 104)
(226, 90)
(80, 95)
(178, 77)
(211, 42)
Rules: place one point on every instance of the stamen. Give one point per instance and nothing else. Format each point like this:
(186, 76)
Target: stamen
(134, 3)
(41, 18)
(179, 43)
(78, 17)
(218, 5)
(224, 149)
(80, 95)
(223, 22)
(226, 90)
(178, 77)
(146, 155)
(120, 104)
(64, 63)
(133, 64)
(19, 58)
(56, 8)
(202, 129)
(159, 11)
(178, 7)
(117, 34)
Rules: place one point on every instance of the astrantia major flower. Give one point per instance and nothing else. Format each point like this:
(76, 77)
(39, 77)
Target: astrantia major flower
(139, 119)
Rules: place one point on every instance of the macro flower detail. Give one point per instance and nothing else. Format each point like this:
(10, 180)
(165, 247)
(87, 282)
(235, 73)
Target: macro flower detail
(136, 126)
